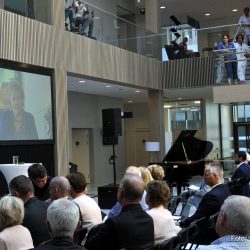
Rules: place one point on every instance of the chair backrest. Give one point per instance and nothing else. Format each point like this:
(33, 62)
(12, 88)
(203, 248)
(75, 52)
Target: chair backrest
(173, 204)
(170, 244)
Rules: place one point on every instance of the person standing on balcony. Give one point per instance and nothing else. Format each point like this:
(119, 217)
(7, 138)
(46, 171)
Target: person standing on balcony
(245, 23)
(242, 50)
(230, 59)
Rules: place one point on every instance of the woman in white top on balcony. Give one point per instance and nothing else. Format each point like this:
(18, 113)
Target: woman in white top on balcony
(157, 199)
(241, 54)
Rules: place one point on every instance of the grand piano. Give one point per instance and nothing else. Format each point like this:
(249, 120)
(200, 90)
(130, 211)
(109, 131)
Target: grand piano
(186, 158)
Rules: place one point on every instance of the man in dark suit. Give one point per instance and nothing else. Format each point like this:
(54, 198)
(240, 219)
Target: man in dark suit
(243, 170)
(34, 209)
(63, 219)
(214, 198)
(133, 228)
(38, 175)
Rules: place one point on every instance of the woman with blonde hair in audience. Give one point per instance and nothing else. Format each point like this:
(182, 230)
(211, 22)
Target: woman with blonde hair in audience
(145, 175)
(157, 199)
(156, 171)
(13, 235)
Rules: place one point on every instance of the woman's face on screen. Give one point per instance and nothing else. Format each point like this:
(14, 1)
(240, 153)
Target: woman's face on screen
(16, 101)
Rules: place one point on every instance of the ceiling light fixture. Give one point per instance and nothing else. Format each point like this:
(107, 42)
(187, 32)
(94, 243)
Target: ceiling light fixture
(179, 98)
(197, 102)
(137, 91)
(163, 7)
(108, 86)
(82, 81)
(234, 10)
(207, 14)
(130, 101)
(167, 106)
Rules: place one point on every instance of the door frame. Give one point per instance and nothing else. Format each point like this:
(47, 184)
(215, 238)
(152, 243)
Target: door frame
(236, 135)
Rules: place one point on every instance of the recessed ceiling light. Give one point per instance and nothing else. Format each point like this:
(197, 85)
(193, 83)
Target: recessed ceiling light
(130, 101)
(167, 106)
(207, 14)
(82, 81)
(234, 10)
(137, 91)
(108, 86)
(179, 98)
(197, 102)
(163, 7)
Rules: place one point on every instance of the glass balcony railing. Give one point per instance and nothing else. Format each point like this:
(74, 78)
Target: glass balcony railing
(232, 65)
(185, 41)
(96, 23)
(38, 10)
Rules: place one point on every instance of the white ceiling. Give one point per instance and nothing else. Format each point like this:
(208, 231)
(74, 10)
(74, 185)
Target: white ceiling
(92, 87)
(220, 10)
(129, 93)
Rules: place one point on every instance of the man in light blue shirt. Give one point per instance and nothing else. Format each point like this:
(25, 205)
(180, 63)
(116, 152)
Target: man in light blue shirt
(233, 225)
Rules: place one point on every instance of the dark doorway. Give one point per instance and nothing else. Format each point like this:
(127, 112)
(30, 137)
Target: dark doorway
(241, 136)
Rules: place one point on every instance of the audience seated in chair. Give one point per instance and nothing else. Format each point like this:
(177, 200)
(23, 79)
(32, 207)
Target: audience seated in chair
(233, 225)
(63, 218)
(34, 210)
(157, 199)
(133, 228)
(90, 211)
(59, 188)
(38, 175)
(213, 199)
(243, 170)
(156, 171)
(13, 235)
(116, 209)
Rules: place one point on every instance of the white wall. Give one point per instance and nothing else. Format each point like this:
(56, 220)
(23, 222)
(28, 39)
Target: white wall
(85, 111)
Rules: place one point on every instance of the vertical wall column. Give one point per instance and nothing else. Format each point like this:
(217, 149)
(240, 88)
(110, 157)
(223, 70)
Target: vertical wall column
(152, 21)
(156, 119)
(61, 123)
(1, 4)
(57, 14)
(152, 15)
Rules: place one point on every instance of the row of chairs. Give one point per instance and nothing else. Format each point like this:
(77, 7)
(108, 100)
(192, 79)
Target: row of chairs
(181, 200)
(200, 232)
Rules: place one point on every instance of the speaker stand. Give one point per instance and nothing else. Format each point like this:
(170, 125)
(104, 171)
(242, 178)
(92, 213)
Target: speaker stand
(114, 165)
(112, 160)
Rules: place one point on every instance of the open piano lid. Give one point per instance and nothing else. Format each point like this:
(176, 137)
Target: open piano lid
(195, 149)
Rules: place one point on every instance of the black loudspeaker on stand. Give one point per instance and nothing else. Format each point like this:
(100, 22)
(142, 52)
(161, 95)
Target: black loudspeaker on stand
(112, 128)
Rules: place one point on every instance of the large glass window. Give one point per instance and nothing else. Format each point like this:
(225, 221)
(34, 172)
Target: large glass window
(241, 113)
(183, 115)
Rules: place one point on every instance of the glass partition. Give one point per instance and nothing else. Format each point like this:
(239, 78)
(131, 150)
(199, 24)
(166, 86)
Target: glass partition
(91, 21)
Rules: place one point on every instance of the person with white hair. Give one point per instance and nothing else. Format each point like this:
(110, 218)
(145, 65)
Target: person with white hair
(13, 235)
(233, 225)
(214, 198)
(116, 209)
(63, 218)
